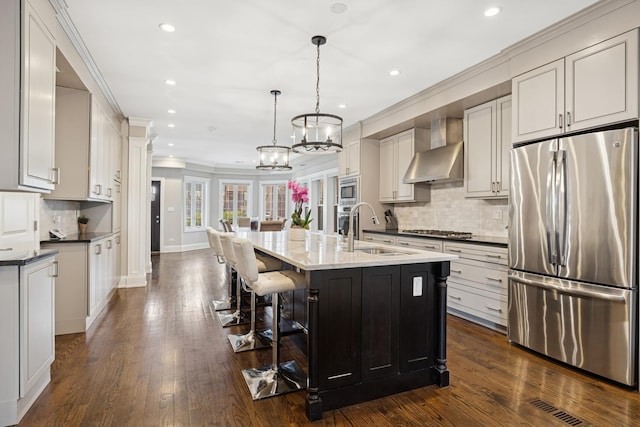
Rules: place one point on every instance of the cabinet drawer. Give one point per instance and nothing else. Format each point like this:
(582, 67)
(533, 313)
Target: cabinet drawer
(483, 276)
(424, 244)
(380, 238)
(477, 252)
(477, 302)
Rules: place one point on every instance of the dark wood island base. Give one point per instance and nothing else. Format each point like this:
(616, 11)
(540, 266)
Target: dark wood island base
(373, 332)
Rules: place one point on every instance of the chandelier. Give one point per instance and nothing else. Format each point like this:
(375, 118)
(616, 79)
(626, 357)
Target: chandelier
(317, 133)
(274, 157)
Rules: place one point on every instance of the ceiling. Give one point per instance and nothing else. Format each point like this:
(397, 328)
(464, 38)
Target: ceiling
(226, 57)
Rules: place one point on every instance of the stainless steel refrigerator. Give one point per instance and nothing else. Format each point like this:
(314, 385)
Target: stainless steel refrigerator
(573, 291)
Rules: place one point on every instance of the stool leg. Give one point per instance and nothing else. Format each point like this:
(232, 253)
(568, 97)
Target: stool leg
(277, 378)
(227, 303)
(253, 339)
(237, 317)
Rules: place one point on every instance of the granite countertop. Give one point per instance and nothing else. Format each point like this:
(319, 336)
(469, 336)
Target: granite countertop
(329, 252)
(79, 238)
(26, 257)
(487, 240)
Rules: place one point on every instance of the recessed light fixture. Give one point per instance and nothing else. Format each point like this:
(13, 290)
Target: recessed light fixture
(167, 27)
(338, 8)
(170, 144)
(170, 82)
(492, 11)
(171, 125)
(343, 106)
(171, 111)
(170, 155)
(394, 73)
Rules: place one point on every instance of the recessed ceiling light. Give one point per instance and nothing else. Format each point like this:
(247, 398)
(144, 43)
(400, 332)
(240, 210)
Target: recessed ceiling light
(171, 125)
(170, 82)
(171, 111)
(170, 155)
(342, 106)
(167, 27)
(338, 8)
(170, 144)
(394, 73)
(492, 11)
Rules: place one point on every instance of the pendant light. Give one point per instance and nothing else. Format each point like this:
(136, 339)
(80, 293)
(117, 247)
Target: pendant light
(274, 157)
(317, 133)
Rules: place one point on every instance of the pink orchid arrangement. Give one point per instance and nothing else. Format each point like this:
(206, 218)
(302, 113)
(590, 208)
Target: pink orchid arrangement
(299, 196)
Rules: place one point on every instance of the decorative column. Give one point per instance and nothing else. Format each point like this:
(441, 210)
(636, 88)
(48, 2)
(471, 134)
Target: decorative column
(137, 198)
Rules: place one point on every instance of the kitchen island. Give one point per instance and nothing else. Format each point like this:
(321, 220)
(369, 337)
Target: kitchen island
(375, 317)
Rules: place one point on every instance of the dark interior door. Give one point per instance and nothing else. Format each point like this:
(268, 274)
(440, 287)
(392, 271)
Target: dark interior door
(155, 215)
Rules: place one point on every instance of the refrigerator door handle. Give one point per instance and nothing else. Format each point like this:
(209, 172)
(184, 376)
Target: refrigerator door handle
(562, 194)
(569, 291)
(550, 211)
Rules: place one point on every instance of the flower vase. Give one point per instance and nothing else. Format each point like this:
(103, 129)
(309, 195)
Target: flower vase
(82, 228)
(297, 234)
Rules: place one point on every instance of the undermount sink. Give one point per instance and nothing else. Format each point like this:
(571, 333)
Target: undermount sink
(380, 251)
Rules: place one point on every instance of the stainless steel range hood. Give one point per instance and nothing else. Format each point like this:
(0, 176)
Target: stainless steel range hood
(444, 163)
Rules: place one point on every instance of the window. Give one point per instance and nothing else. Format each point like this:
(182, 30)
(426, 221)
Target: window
(195, 203)
(273, 200)
(235, 201)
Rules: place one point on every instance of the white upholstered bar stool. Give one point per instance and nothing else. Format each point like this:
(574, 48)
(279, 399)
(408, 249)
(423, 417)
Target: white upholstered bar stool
(216, 246)
(277, 378)
(237, 317)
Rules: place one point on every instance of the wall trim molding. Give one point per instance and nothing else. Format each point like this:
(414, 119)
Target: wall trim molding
(137, 281)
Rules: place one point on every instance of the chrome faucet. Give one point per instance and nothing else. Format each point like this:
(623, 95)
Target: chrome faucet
(355, 207)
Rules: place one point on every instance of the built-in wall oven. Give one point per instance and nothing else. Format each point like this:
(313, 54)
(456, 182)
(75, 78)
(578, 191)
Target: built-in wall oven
(348, 192)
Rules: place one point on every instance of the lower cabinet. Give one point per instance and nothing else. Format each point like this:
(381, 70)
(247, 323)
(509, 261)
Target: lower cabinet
(27, 294)
(87, 278)
(478, 283)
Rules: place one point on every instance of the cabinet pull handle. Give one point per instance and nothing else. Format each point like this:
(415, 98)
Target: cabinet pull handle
(403, 243)
(495, 279)
(560, 121)
(493, 256)
(56, 269)
(6, 249)
(98, 249)
(429, 246)
(499, 310)
(455, 250)
(368, 238)
(118, 240)
(98, 189)
(56, 176)
(109, 244)
(568, 119)
(498, 187)
(456, 271)
(455, 297)
(108, 192)
(388, 241)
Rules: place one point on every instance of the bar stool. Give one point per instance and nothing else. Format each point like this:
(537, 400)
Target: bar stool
(254, 340)
(216, 245)
(237, 317)
(277, 378)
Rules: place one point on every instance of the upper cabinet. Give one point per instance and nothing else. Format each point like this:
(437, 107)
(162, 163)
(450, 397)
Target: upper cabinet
(87, 149)
(396, 153)
(27, 105)
(349, 160)
(487, 141)
(593, 87)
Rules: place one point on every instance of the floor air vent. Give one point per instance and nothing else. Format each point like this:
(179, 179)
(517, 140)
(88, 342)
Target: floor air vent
(558, 413)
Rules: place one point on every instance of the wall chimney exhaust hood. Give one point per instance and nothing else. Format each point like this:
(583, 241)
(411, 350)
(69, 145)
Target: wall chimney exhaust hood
(444, 163)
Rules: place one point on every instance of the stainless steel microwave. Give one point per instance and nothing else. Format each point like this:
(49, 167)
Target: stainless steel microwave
(348, 191)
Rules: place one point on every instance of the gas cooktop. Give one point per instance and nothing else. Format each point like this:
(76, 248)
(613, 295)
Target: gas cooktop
(442, 233)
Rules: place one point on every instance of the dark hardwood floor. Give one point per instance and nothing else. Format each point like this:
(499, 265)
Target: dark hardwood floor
(158, 357)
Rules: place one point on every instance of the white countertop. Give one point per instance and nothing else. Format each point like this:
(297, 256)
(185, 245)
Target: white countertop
(326, 252)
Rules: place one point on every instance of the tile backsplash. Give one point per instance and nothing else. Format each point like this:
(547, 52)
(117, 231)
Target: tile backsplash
(450, 210)
(60, 214)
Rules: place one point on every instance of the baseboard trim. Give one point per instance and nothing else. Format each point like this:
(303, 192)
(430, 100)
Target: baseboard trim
(138, 281)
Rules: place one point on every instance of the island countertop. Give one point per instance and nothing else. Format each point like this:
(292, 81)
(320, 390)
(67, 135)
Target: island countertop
(327, 252)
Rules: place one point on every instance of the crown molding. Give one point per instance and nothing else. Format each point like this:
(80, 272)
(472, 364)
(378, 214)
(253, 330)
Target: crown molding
(69, 28)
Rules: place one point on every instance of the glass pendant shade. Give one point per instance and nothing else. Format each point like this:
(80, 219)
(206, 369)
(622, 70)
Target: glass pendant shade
(274, 157)
(317, 133)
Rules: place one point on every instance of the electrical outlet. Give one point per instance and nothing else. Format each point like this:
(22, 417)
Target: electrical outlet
(497, 214)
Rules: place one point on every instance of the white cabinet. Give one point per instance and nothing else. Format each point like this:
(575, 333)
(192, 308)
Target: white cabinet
(487, 141)
(420, 243)
(102, 279)
(87, 146)
(18, 226)
(378, 238)
(396, 153)
(593, 87)
(349, 160)
(478, 283)
(27, 104)
(27, 295)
